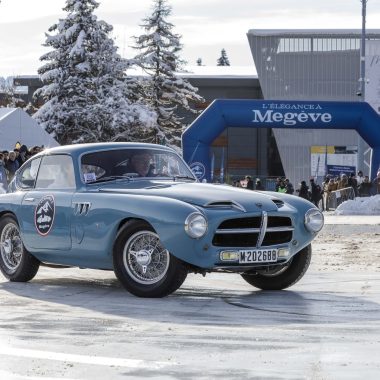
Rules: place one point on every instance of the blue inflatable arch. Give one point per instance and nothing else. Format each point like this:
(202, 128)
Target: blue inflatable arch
(223, 113)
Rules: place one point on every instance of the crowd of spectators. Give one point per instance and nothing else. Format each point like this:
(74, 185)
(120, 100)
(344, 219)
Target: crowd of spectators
(11, 160)
(348, 186)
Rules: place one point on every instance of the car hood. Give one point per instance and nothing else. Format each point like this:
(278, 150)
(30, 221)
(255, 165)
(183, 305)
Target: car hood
(204, 195)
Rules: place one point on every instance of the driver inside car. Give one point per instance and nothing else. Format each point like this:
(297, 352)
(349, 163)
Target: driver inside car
(141, 163)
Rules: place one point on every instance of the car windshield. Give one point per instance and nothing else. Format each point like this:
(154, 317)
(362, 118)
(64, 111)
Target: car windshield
(133, 163)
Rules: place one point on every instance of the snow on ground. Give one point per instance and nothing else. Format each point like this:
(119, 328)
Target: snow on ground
(360, 206)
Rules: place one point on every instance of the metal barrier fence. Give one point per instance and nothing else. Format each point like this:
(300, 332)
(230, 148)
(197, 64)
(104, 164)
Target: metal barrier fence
(334, 198)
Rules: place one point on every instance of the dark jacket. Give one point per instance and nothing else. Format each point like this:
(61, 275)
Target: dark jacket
(303, 191)
(365, 189)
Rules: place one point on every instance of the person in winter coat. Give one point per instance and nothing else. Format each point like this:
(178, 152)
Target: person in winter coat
(278, 183)
(316, 192)
(352, 182)
(365, 188)
(289, 186)
(326, 193)
(259, 185)
(248, 178)
(281, 188)
(376, 184)
(11, 165)
(3, 175)
(23, 155)
(303, 191)
(343, 181)
(360, 177)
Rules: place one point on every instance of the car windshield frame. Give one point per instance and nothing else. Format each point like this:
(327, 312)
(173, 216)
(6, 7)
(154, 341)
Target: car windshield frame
(119, 160)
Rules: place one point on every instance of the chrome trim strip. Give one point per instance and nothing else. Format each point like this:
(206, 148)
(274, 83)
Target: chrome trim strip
(279, 229)
(264, 223)
(252, 230)
(238, 231)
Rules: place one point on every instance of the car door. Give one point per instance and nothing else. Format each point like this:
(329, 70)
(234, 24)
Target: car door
(46, 209)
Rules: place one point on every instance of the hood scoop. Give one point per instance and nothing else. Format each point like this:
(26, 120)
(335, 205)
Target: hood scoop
(278, 202)
(225, 205)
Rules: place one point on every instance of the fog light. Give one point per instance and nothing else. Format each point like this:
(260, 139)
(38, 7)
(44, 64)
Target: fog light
(282, 252)
(229, 256)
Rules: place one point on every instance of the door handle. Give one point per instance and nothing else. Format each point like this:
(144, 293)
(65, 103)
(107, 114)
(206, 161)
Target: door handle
(29, 199)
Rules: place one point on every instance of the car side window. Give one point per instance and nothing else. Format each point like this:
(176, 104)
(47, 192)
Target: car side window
(56, 172)
(26, 178)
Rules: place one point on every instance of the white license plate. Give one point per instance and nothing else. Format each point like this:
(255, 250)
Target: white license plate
(249, 256)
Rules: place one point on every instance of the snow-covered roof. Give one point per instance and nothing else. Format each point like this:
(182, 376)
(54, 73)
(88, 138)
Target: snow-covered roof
(311, 32)
(4, 112)
(220, 71)
(209, 72)
(17, 125)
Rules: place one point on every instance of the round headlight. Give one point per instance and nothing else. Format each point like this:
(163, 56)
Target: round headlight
(314, 220)
(196, 225)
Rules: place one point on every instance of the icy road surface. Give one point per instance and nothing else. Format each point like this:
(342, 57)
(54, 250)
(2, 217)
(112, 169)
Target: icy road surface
(80, 324)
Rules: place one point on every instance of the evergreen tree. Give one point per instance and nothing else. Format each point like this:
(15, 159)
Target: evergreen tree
(223, 60)
(158, 56)
(85, 88)
(199, 62)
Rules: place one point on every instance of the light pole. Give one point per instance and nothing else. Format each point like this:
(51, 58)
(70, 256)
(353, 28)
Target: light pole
(362, 51)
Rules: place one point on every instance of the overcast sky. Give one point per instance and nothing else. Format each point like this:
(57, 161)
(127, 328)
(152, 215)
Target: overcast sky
(206, 26)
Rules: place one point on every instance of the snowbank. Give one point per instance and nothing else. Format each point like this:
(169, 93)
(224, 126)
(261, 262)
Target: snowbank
(360, 206)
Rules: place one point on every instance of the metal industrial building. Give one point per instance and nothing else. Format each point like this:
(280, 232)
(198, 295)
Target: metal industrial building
(310, 65)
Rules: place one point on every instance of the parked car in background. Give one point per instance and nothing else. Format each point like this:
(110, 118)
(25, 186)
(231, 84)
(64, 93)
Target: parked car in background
(137, 209)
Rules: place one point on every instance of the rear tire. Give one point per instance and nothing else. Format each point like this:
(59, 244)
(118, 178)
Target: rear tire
(285, 276)
(16, 263)
(141, 263)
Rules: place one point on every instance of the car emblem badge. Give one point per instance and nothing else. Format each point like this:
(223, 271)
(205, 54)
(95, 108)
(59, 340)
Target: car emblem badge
(259, 205)
(44, 215)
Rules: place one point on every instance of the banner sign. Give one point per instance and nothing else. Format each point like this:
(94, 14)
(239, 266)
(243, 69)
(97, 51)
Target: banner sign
(247, 113)
(337, 170)
(333, 160)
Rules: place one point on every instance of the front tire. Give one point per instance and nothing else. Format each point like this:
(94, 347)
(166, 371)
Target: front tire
(285, 276)
(16, 263)
(142, 264)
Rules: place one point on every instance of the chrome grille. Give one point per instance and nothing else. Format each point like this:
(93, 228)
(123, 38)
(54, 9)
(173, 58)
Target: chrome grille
(259, 231)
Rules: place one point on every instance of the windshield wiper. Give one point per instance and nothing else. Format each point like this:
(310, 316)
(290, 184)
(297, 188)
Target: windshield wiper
(183, 177)
(109, 178)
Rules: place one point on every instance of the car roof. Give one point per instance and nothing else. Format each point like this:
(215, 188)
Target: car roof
(78, 149)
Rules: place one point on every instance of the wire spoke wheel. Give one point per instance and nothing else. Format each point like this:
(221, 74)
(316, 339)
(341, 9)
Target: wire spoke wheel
(145, 259)
(11, 247)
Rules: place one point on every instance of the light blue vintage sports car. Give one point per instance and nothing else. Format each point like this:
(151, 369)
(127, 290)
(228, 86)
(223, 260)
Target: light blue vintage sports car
(137, 209)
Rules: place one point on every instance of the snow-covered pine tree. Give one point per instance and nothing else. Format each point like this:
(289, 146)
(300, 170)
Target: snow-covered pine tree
(158, 56)
(223, 60)
(85, 86)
